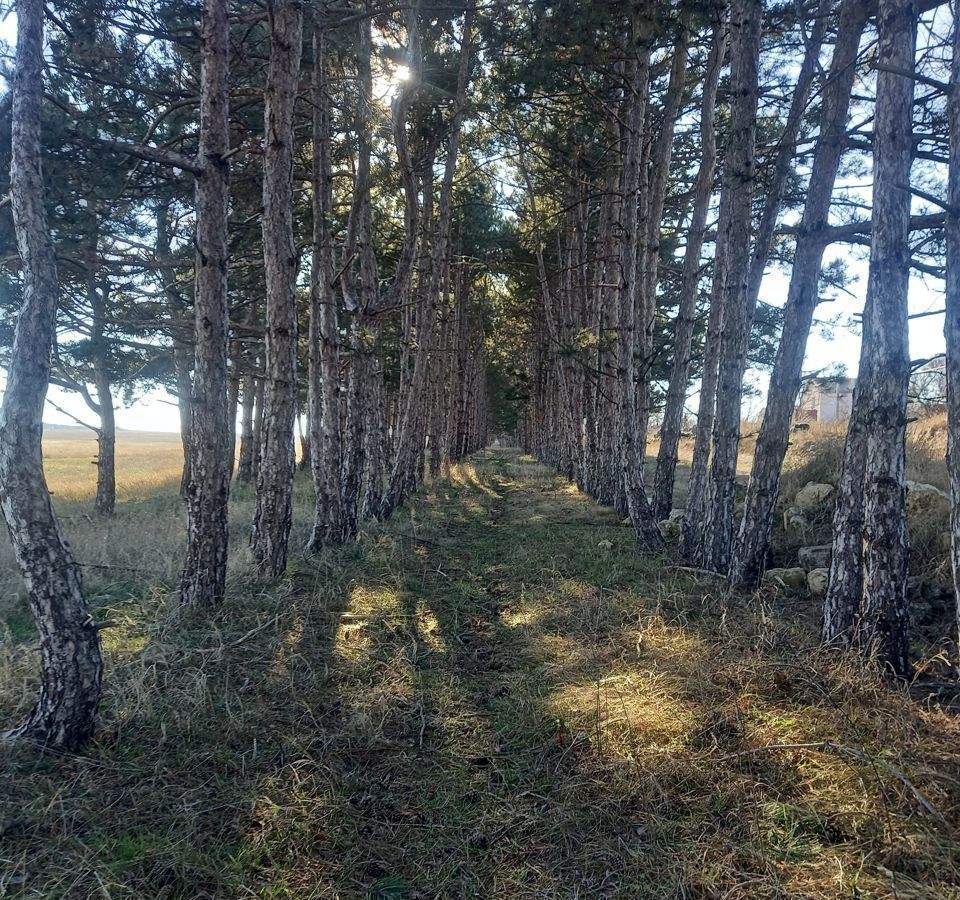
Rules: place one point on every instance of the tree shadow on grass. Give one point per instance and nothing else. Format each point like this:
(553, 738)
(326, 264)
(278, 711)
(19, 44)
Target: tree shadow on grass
(481, 699)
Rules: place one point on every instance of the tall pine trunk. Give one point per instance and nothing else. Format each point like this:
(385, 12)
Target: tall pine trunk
(952, 324)
(247, 398)
(866, 602)
(883, 625)
(324, 354)
(739, 183)
(407, 467)
(70, 659)
(629, 444)
(753, 539)
(665, 475)
(273, 516)
(105, 502)
(205, 568)
(182, 350)
(98, 291)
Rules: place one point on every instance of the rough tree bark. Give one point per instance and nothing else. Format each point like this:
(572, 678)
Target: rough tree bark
(233, 403)
(273, 516)
(841, 604)
(665, 475)
(656, 191)
(205, 568)
(70, 659)
(882, 627)
(324, 354)
(753, 539)
(182, 351)
(629, 443)
(690, 531)
(739, 183)
(952, 323)
(257, 419)
(106, 498)
(866, 603)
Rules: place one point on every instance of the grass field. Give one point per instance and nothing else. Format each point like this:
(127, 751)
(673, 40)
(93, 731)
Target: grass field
(492, 696)
(148, 463)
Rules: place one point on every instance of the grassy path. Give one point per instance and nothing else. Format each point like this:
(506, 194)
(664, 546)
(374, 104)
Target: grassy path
(494, 696)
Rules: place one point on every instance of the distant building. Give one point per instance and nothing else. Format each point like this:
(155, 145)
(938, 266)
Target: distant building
(826, 400)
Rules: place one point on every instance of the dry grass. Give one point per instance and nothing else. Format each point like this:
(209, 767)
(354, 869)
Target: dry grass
(816, 455)
(148, 464)
(480, 700)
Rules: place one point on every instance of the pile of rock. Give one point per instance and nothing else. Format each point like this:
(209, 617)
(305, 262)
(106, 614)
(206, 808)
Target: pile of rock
(813, 563)
(812, 496)
(810, 575)
(922, 499)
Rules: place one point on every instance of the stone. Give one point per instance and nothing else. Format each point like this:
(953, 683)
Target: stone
(794, 519)
(817, 557)
(670, 529)
(813, 495)
(924, 498)
(795, 578)
(605, 545)
(817, 580)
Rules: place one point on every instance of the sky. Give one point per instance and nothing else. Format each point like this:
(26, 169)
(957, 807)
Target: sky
(156, 410)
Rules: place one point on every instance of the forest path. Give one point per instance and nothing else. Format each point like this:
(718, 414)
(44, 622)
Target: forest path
(493, 695)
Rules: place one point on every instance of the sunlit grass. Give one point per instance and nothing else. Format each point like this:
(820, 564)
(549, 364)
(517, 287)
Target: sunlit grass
(148, 464)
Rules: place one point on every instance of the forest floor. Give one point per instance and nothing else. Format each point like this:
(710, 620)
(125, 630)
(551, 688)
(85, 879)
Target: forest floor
(492, 696)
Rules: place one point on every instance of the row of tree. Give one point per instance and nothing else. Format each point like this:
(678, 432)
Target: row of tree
(407, 225)
(703, 129)
(232, 211)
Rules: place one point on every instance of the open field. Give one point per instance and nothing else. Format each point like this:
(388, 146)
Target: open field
(148, 463)
(482, 698)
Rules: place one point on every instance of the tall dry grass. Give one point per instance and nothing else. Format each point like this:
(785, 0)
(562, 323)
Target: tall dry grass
(133, 558)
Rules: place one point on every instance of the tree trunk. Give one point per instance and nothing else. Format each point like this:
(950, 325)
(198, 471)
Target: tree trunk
(273, 516)
(952, 324)
(97, 293)
(233, 401)
(204, 575)
(324, 357)
(739, 183)
(70, 658)
(866, 604)
(247, 452)
(841, 604)
(257, 421)
(182, 368)
(375, 440)
(182, 352)
(753, 539)
(106, 499)
(690, 532)
(663, 482)
(882, 628)
(629, 445)
(407, 468)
